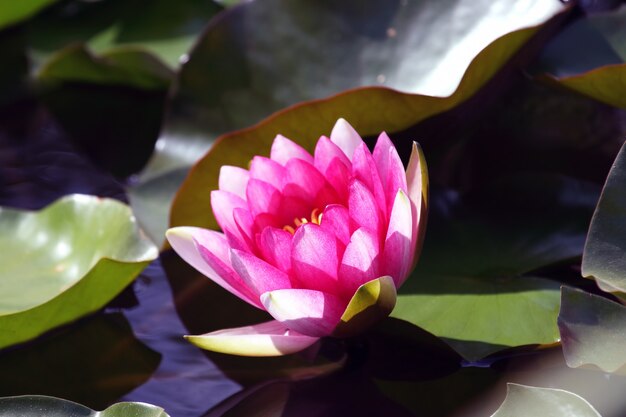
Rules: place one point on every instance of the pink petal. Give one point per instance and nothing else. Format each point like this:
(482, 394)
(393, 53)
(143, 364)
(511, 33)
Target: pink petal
(325, 152)
(207, 251)
(305, 182)
(417, 185)
(336, 220)
(345, 137)
(364, 169)
(314, 258)
(275, 247)
(243, 220)
(363, 208)
(234, 180)
(313, 313)
(338, 176)
(390, 169)
(397, 253)
(258, 275)
(360, 262)
(263, 197)
(268, 171)
(224, 203)
(264, 339)
(284, 149)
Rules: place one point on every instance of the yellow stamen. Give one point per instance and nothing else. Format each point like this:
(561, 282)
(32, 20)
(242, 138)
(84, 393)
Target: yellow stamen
(316, 218)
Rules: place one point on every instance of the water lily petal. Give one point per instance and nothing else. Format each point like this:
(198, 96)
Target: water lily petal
(314, 259)
(360, 262)
(336, 220)
(417, 183)
(258, 275)
(364, 169)
(390, 169)
(234, 180)
(363, 208)
(397, 255)
(267, 170)
(263, 197)
(265, 339)
(304, 181)
(244, 221)
(284, 149)
(345, 137)
(215, 263)
(223, 204)
(313, 313)
(275, 247)
(338, 175)
(325, 152)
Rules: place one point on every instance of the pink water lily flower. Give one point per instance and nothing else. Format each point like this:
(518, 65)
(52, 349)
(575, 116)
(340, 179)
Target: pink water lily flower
(321, 242)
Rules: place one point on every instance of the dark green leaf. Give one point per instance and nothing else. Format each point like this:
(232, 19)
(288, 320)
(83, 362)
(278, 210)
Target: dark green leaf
(236, 76)
(163, 28)
(471, 286)
(126, 66)
(12, 12)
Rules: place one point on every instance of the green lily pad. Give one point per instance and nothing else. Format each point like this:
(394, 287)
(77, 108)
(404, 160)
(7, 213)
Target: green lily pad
(205, 107)
(474, 284)
(37, 405)
(163, 28)
(604, 256)
(605, 84)
(230, 82)
(12, 12)
(593, 330)
(125, 66)
(525, 401)
(65, 261)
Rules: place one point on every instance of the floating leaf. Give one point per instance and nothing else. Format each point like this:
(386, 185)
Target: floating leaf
(306, 122)
(163, 28)
(605, 84)
(125, 66)
(235, 76)
(65, 261)
(593, 330)
(37, 405)
(12, 12)
(473, 285)
(525, 401)
(604, 257)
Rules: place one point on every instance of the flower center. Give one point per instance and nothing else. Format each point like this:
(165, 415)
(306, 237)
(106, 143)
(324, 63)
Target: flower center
(315, 218)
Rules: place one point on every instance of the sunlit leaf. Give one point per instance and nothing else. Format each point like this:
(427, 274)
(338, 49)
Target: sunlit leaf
(473, 285)
(604, 256)
(525, 401)
(235, 76)
(593, 330)
(37, 405)
(65, 261)
(306, 122)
